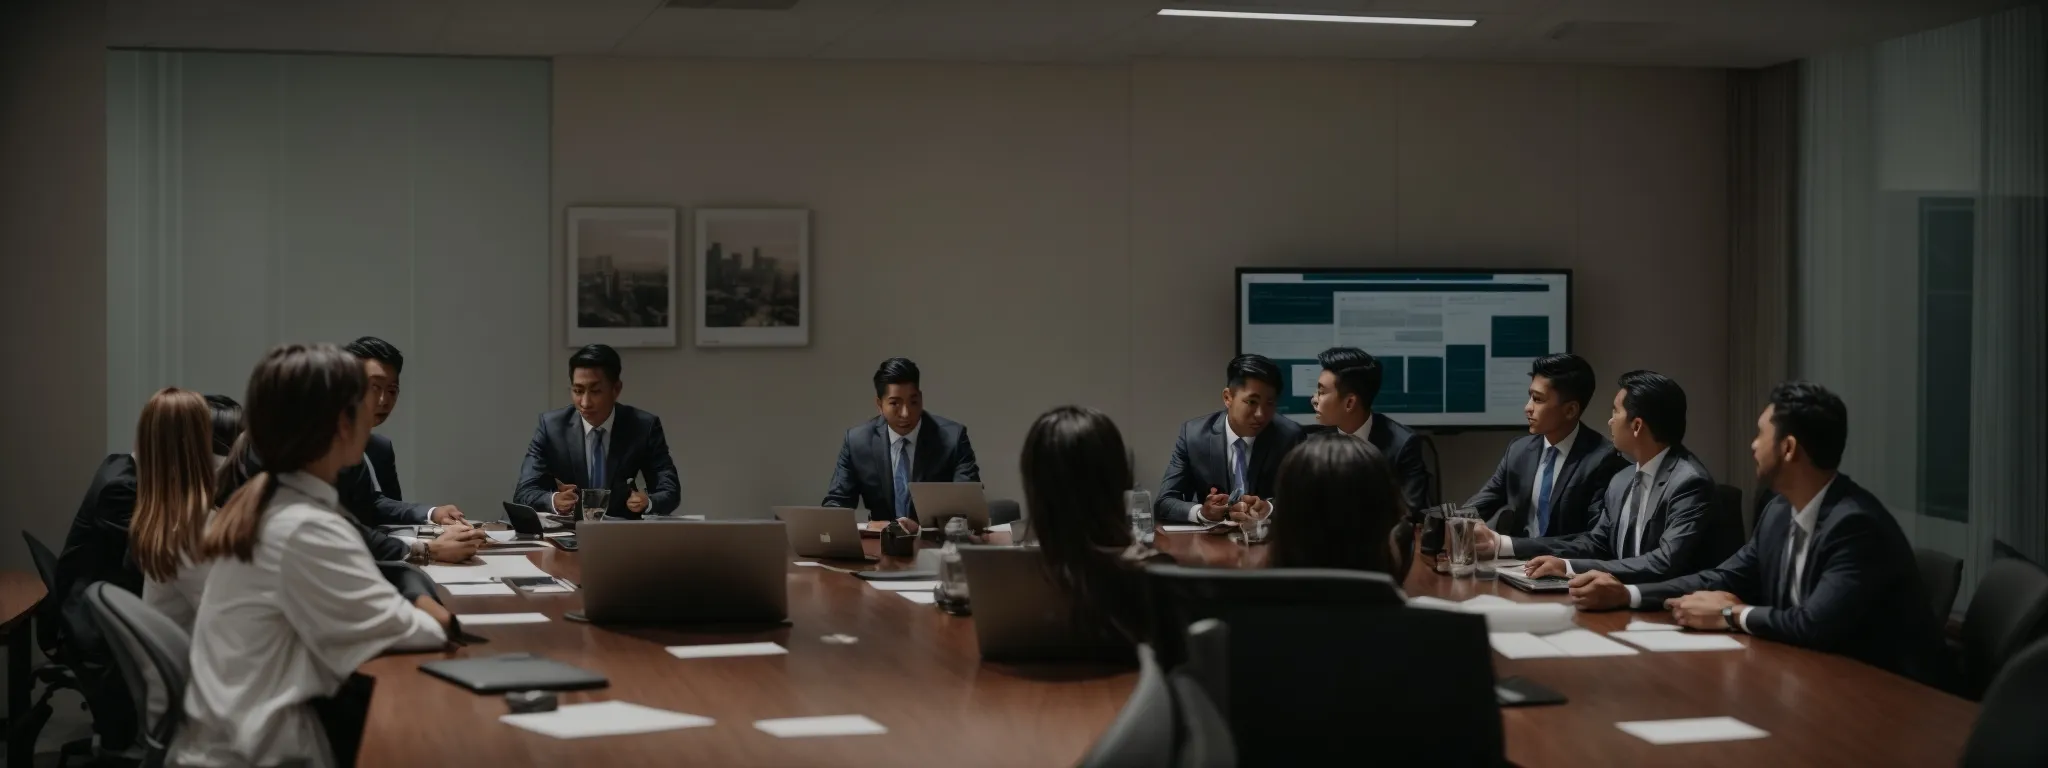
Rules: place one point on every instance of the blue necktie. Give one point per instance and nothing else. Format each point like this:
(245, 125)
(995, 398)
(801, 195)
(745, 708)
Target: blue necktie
(597, 459)
(1237, 467)
(902, 478)
(1543, 490)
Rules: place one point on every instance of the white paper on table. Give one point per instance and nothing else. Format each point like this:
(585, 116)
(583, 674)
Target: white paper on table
(487, 569)
(1529, 617)
(513, 566)
(479, 590)
(1522, 645)
(723, 650)
(1692, 730)
(699, 518)
(1586, 642)
(1650, 626)
(1485, 603)
(1172, 528)
(809, 563)
(557, 534)
(904, 586)
(603, 718)
(1679, 641)
(926, 598)
(502, 535)
(835, 725)
(1005, 527)
(487, 619)
(549, 589)
(1504, 564)
(1433, 603)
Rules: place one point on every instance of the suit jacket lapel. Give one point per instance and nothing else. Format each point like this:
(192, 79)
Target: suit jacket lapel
(624, 435)
(926, 453)
(1580, 447)
(570, 433)
(878, 446)
(1217, 440)
(1653, 525)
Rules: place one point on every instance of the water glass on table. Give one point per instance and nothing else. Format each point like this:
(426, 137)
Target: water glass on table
(1138, 509)
(1460, 525)
(594, 502)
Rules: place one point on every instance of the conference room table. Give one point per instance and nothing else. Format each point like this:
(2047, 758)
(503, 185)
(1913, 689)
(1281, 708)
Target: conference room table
(916, 671)
(20, 593)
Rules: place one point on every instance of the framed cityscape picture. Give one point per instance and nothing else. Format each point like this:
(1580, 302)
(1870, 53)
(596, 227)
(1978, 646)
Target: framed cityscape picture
(622, 276)
(753, 277)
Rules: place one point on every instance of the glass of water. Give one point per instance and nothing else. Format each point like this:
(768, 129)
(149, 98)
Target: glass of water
(1459, 527)
(594, 502)
(1138, 508)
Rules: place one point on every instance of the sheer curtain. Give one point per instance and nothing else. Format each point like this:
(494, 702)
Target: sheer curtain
(1763, 151)
(1921, 296)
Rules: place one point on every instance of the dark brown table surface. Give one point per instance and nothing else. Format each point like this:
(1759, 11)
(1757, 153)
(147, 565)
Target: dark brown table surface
(916, 671)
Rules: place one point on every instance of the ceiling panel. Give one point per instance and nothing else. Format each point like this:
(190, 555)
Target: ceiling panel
(800, 32)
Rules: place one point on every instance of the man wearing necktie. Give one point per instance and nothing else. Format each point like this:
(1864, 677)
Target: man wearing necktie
(903, 444)
(1232, 453)
(1828, 568)
(1553, 482)
(382, 364)
(599, 442)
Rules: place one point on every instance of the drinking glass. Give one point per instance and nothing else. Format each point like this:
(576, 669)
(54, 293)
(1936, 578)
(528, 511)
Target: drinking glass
(1459, 527)
(1138, 508)
(594, 502)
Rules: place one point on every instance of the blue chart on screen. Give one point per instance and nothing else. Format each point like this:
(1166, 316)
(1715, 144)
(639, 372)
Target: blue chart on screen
(1455, 347)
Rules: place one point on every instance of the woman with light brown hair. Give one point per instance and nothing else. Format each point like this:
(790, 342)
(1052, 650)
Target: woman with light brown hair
(174, 471)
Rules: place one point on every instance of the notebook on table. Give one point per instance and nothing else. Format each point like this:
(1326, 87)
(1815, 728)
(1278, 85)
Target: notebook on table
(514, 672)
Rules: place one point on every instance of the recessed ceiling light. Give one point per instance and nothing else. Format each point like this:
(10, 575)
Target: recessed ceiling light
(1318, 17)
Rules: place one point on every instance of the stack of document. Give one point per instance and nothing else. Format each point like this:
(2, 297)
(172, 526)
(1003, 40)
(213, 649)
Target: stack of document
(1679, 641)
(485, 570)
(1574, 643)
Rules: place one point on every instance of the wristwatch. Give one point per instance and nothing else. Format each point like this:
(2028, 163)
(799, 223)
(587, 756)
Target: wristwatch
(1728, 615)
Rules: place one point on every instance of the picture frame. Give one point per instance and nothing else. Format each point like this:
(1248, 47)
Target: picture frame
(753, 270)
(621, 270)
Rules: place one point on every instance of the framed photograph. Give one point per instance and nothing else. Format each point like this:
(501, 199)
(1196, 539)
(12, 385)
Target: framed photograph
(622, 276)
(753, 277)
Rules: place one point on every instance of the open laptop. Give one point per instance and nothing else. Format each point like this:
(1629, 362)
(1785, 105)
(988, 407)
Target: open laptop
(938, 502)
(831, 533)
(1512, 574)
(640, 572)
(1021, 615)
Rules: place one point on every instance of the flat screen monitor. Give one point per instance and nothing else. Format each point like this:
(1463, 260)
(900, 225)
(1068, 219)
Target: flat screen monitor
(1454, 345)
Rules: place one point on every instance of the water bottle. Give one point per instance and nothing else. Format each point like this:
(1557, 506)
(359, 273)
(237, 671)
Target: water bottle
(1138, 507)
(951, 595)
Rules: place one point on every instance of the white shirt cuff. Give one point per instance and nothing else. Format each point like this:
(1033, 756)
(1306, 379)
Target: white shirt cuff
(1568, 572)
(1505, 546)
(1195, 514)
(1635, 597)
(551, 504)
(1742, 617)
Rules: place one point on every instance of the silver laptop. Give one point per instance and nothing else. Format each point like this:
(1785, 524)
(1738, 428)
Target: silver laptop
(1021, 615)
(1515, 578)
(831, 533)
(642, 572)
(938, 502)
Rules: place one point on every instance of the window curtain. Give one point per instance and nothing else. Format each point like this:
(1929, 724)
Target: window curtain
(1763, 157)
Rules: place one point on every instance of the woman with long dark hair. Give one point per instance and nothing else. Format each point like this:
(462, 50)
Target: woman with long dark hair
(293, 603)
(1075, 472)
(1341, 508)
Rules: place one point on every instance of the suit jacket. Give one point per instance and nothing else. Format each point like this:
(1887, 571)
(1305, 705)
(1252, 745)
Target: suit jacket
(1201, 461)
(942, 455)
(637, 445)
(385, 502)
(1675, 541)
(1862, 592)
(96, 548)
(1577, 497)
(1403, 449)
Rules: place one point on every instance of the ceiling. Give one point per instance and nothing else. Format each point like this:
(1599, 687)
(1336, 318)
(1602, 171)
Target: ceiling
(1715, 33)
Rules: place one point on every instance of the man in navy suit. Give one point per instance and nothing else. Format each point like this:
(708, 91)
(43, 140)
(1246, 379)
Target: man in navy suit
(1828, 569)
(1344, 394)
(1234, 452)
(1553, 482)
(598, 443)
(881, 457)
(382, 362)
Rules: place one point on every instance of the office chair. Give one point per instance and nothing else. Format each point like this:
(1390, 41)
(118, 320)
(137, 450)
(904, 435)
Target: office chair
(1002, 511)
(2009, 610)
(1726, 529)
(2008, 730)
(1204, 740)
(1142, 736)
(56, 673)
(1179, 596)
(1942, 575)
(151, 650)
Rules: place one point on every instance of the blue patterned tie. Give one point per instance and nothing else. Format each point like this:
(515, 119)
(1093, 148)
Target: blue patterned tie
(1543, 490)
(902, 478)
(1237, 467)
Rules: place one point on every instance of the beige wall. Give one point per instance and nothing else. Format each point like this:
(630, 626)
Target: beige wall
(53, 266)
(1036, 235)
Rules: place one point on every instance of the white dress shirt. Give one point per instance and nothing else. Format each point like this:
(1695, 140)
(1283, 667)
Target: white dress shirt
(896, 442)
(177, 600)
(1803, 520)
(585, 443)
(1364, 430)
(286, 627)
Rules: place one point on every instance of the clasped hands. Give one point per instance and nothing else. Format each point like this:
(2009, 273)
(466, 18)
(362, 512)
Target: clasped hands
(1216, 508)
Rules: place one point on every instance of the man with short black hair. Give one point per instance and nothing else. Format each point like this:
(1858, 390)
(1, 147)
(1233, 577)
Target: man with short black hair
(382, 363)
(1553, 482)
(597, 442)
(1231, 454)
(1345, 391)
(903, 444)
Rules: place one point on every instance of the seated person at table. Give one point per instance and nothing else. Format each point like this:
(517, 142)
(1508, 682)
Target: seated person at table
(457, 542)
(598, 443)
(1342, 509)
(382, 362)
(1828, 569)
(881, 457)
(1553, 482)
(1344, 395)
(175, 450)
(1075, 472)
(1232, 452)
(1655, 523)
(293, 603)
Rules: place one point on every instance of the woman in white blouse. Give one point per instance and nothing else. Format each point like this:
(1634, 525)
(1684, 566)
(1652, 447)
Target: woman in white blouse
(293, 603)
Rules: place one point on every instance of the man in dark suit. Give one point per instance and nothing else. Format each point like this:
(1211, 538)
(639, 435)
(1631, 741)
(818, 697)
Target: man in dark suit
(1234, 452)
(382, 362)
(598, 443)
(881, 457)
(1828, 569)
(1553, 482)
(1655, 518)
(1344, 394)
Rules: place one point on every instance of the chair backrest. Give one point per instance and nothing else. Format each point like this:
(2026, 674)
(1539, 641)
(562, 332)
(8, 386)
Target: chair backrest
(2009, 610)
(1726, 529)
(1199, 690)
(1142, 736)
(2008, 729)
(151, 650)
(47, 636)
(1180, 596)
(1942, 574)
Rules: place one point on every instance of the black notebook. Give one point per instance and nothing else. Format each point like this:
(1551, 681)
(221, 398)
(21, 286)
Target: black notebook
(514, 672)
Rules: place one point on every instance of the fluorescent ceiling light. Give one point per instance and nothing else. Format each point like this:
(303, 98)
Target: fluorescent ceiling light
(1319, 17)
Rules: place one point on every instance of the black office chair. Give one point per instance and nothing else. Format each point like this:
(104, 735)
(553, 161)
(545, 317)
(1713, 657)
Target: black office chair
(2008, 730)
(1205, 740)
(151, 650)
(1002, 511)
(1142, 736)
(55, 674)
(1179, 596)
(2009, 610)
(1725, 528)
(1942, 575)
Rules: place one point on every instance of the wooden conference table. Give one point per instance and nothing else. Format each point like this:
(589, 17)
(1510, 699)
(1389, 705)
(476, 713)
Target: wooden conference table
(916, 670)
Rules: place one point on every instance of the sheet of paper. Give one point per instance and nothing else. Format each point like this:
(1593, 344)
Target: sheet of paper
(805, 727)
(1005, 527)
(519, 546)
(512, 566)
(479, 590)
(1189, 528)
(502, 535)
(905, 586)
(1485, 603)
(486, 619)
(699, 518)
(926, 598)
(1679, 641)
(810, 564)
(549, 590)
(1692, 730)
(603, 718)
(723, 650)
(485, 569)
(1522, 645)
(1434, 603)
(1650, 626)
(1504, 564)
(1539, 618)
(1586, 642)
(558, 533)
